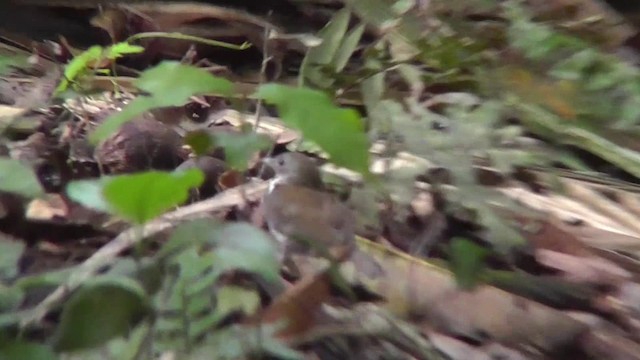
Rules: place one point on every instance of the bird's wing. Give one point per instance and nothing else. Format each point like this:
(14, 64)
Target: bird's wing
(326, 221)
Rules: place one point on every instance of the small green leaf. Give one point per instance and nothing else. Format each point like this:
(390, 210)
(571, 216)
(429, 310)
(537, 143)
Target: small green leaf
(17, 178)
(467, 260)
(10, 253)
(78, 65)
(102, 309)
(89, 193)
(143, 196)
(339, 132)
(170, 84)
(243, 246)
(239, 147)
(117, 50)
(200, 141)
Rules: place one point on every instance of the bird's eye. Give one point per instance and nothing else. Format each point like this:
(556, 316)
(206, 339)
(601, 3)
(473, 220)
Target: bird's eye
(281, 162)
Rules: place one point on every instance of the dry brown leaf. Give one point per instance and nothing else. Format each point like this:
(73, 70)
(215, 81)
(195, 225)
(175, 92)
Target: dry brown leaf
(299, 306)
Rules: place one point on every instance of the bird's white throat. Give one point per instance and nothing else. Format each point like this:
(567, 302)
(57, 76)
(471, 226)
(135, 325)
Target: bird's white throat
(275, 182)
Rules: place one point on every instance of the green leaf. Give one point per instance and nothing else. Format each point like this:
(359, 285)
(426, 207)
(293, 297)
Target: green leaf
(124, 48)
(17, 178)
(170, 84)
(89, 193)
(322, 55)
(143, 196)
(81, 63)
(240, 147)
(23, 350)
(10, 253)
(339, 132)
(200, 141)
(191, 233)
(136, 107)
(348, 46)
(78, 65)
(6, 62)
(467, 260)
(102, 309)
(240, 342)
(11, 298)
(243, 246)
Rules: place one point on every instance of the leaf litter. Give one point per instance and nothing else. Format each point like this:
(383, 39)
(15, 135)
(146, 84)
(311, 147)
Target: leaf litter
(473, 243)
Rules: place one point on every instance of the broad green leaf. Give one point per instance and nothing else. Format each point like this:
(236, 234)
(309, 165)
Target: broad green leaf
(17, 178)
(467, 260)
(102, 309)
(240, 147)
(89, 193)
(191, 233)
(243, 246)
(170, 84)
(10, 253)
(144, 196)
(339, 132)
(23, 350)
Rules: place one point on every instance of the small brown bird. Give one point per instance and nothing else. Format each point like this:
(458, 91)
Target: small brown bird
(302, 217)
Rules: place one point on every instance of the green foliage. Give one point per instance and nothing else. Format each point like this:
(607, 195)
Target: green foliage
(7, 62)
(81, 63)
(198, 253)
(168, 84)
(339, 132)
(610, 87)
(467, 262)
(143, 196)
(238, 147)
(103, 308)
(17, 178)
(25, 350)
(323, 62)
(10, 253)
(137, 197)
(89, 193)
(242, 342)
